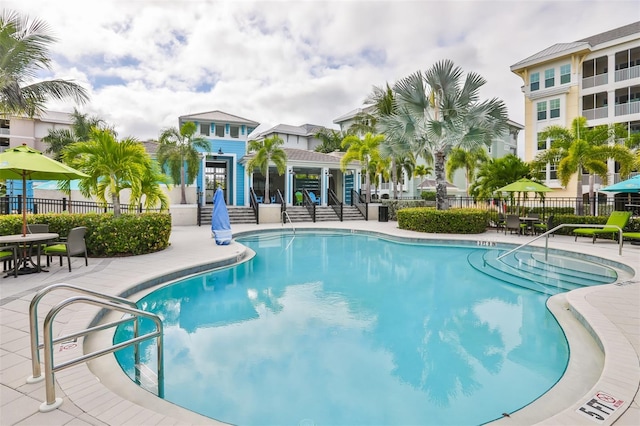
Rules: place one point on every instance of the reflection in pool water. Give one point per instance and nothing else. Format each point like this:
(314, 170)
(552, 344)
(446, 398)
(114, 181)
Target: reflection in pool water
(350, 329)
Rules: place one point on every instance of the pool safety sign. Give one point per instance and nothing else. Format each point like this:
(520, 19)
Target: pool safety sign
(600, 407)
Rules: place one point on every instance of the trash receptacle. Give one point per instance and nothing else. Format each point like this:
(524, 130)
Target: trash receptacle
(383, 214)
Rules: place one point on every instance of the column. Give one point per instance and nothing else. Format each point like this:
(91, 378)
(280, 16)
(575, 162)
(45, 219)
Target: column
(324, 186)
(288, 187)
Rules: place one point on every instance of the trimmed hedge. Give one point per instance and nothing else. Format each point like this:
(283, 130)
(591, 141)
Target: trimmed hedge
(107, 236)
(452, 221)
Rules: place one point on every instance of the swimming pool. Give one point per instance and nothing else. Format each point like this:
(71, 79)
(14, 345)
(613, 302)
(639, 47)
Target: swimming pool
(351, 329)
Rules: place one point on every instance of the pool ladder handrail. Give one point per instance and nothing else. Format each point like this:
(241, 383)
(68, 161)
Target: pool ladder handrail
(563, 225)
(105, 301)
(285, 214)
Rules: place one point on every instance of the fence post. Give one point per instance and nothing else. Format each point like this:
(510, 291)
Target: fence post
(19, 203)
(140, 208)
(64, 203)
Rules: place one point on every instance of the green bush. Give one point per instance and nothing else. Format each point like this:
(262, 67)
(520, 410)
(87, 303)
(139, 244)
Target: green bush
(395, 205)
(452, 221)
(107, 236)
(428, 195)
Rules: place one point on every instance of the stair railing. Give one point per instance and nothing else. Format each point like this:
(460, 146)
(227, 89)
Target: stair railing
(285, 217)
(360, 202)
(280, 200)
(310, 205)
(563, 225)
(336, 204)
(253, 202)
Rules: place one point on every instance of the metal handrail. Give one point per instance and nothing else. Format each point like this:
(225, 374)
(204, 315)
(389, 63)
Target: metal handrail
(285, 214)
(310, 205)
(361, 205)
(253, 202)
(564, 225)
(336, 204)
(51, 402)
(33, 321)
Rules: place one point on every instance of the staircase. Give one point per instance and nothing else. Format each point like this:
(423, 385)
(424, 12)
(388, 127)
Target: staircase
(530, 270)
(239, 214)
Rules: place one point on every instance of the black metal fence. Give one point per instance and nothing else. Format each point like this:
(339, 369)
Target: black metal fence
(13, 205)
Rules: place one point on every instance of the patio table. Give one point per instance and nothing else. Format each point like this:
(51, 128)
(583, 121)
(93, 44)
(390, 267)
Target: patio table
(26, 242)
(529, 221)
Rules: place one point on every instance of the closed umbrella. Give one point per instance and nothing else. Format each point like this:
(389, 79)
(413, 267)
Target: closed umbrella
(220, 225)
(26, 163)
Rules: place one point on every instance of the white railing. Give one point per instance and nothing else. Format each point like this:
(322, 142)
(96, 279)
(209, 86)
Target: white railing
(596, 80)
(627, 73)
(592, 114)
(628, 108)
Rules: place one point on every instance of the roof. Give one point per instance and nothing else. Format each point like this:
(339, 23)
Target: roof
(352, 114)
(306, 130)
(586, 44)
(150, 146)
(305, 156)
(219, 116)
(431, 183)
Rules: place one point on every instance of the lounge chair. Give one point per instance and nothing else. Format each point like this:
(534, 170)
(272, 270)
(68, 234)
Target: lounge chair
(633, 236)
(615, 220)
(73, 246)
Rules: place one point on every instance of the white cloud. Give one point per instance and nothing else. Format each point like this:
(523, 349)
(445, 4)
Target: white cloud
(146, 62)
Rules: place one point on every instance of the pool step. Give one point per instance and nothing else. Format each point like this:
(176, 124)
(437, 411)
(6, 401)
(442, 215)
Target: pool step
(530, 270)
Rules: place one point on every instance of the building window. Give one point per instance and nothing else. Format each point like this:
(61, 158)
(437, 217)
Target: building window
(553, 171)
(234, 131)
(554, 108)
(565, 74)
(549, 77)
(542, 142)
(534, 82)
(220, 130)
(542, 110)
(204, 129)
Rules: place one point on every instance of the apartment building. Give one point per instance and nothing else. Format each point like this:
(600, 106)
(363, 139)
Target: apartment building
(597, 77)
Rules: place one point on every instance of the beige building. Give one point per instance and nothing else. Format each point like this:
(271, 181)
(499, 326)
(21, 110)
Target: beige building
(597, 77)
(15, 131)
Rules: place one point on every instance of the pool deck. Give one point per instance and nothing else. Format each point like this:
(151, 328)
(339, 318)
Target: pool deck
(611, 313)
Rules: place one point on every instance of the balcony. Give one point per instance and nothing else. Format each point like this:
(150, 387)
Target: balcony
(595, 113)
(627, 108)
(596, 80)
(627, 73)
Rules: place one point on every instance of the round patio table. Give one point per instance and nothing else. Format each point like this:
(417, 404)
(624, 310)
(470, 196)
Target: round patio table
(26, 242)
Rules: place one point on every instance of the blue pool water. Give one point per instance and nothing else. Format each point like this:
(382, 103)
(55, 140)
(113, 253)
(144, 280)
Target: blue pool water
(347, 329)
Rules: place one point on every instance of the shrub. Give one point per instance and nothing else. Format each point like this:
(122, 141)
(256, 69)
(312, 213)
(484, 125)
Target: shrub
(395, 205)
(452, 221)
(108, 236)
(428, 195)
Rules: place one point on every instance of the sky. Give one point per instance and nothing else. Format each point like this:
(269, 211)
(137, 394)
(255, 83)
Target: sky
(144, 63)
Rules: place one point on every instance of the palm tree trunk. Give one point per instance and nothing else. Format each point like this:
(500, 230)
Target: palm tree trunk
(441, 183)
(183, 195)
(367, 181)
(592, 202)
(394, 178)
(115, 199)
(579, 202)
(267, 200)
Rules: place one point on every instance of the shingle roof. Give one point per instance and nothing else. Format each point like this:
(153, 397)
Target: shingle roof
(614, 34)
(302, 155)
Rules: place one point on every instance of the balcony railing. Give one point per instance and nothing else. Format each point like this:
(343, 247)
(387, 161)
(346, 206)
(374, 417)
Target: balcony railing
(595, 113)
(596, 80)
(627, 73)
(628, 108)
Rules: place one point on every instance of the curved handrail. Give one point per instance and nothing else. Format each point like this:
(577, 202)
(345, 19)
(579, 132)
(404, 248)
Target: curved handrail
(563, 225)
(253, 202)
(51, 401)
(285, 214)
(33, 321)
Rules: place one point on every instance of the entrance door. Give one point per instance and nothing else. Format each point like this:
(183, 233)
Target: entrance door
(215, 176)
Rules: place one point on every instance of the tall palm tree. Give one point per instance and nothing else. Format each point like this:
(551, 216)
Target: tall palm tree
(178, 150)
(112, 166)
(579, 149)
(364, 150)
(80, 131)
(267, 151)
(439, 110)
(24, 53)
(150, 188)
(468, 160)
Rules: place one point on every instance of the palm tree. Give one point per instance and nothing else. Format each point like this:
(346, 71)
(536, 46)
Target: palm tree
(364, 150)
(468, 160)
(331, 140)
(111, 165)
(150, 187)
(24, 52)
(580, 149)
(496, 173)
(80, 131)
(178, 150)
(267, 151)
(438, 110)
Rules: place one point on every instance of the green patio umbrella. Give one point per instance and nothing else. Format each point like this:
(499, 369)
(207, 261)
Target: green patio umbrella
(26, 163)
(524, 185)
